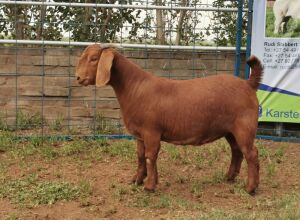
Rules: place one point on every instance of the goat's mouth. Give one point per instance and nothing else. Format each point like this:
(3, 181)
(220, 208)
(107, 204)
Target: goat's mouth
(84, 82)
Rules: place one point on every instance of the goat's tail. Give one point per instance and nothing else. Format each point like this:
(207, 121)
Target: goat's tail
(256, 72)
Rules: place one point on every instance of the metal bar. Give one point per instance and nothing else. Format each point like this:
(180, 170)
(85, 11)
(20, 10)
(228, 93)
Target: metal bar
(16, 66)
(68, 43)
(277, 138)
(239, 39)
(72, 137)
(129, 137)
(249, 35)
(121, 6)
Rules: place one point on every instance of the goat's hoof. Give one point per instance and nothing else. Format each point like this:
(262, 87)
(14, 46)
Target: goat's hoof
(251, 190)
(230, 179)
(138, 180)
(151, 190)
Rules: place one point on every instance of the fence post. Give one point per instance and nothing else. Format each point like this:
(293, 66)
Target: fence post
(249, 35)
(238, 39)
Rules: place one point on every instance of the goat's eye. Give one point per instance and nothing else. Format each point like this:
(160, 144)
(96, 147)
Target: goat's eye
(93, 59)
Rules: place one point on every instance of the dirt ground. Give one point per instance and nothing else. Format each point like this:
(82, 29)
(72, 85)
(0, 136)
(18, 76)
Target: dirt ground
(90, 180)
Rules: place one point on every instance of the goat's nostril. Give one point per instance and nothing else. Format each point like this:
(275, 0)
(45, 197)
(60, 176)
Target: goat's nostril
(78, 78)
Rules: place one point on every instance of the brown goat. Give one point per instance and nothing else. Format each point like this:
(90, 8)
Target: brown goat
(192, 112)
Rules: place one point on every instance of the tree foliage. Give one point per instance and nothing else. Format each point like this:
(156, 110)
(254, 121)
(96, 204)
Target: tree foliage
(225, 24)
(97, 24)
(29, 22)
(55, 22)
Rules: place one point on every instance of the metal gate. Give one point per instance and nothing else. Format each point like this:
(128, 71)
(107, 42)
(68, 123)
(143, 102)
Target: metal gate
(41, 41)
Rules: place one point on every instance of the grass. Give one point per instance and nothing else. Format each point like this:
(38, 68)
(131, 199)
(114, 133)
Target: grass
(163, 201)
(57, 124)
(293, 26)
(218, 177)
(3, 122)
(103, 125)
(6, 140)
(27, 121)
(122, 149)
(30, 192)
(24, 121)
(33, 121)
(91, 177)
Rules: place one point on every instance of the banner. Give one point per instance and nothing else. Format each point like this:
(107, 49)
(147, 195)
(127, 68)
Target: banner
(276, 42)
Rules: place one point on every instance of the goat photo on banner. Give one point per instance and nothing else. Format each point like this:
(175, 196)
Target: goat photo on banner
(282, 19)
(277, 45)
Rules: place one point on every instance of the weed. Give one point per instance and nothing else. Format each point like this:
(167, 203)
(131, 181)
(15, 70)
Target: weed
(185, 158)
(120, 193)
(72, 148)
(286, 207)
(263, 152)
(219, 214)
(218, 177)
(122, 149)
(197, 189)
(288, 201)
(86, 188)
(214, 153)
(270, 168)
(27, 121)
(50, 192)
(199, 160)
(48, 152)
(3, 168)
(110, 211)
(6, 141)
(182, 179)
(163, 202)
(3, 122)
(23, 151)
(37, 141)
(186, 204)
(103, 125)
(173, 152)
(239, 188)
(12, 216)
(279, 153)
(30, 192)
(142, 201)
(101, 142)
(57, 124)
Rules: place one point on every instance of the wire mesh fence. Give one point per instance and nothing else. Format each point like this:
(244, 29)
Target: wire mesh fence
(41, 42)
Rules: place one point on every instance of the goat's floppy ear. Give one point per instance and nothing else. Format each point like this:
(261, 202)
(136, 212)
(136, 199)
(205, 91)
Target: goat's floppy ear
(104, 66)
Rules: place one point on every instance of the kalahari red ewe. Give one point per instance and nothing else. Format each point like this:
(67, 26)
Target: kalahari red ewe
(193, 112)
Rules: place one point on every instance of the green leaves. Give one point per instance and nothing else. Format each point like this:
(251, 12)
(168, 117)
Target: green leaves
(30, 192)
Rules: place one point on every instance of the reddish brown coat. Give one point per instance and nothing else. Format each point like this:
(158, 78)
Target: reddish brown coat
(194, 112)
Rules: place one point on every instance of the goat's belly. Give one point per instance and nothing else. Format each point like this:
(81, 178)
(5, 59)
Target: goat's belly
(294, 12)
(191, 140)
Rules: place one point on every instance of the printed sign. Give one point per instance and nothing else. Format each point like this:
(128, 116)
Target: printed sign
(276, 42)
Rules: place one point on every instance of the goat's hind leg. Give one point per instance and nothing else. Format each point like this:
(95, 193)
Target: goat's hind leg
(284, 24)
(245, 140)
(141, 174)
(253, 169)
(236, 158)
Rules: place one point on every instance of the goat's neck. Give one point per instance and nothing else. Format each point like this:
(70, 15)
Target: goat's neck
(127, 79)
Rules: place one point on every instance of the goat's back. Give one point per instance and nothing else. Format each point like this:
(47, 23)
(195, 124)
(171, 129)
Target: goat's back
(194, 111)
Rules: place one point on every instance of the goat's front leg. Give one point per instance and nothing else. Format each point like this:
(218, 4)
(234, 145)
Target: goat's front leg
(141, 174)
(151, 154)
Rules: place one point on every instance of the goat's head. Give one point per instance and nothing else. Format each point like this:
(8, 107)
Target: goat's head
(94, 65)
